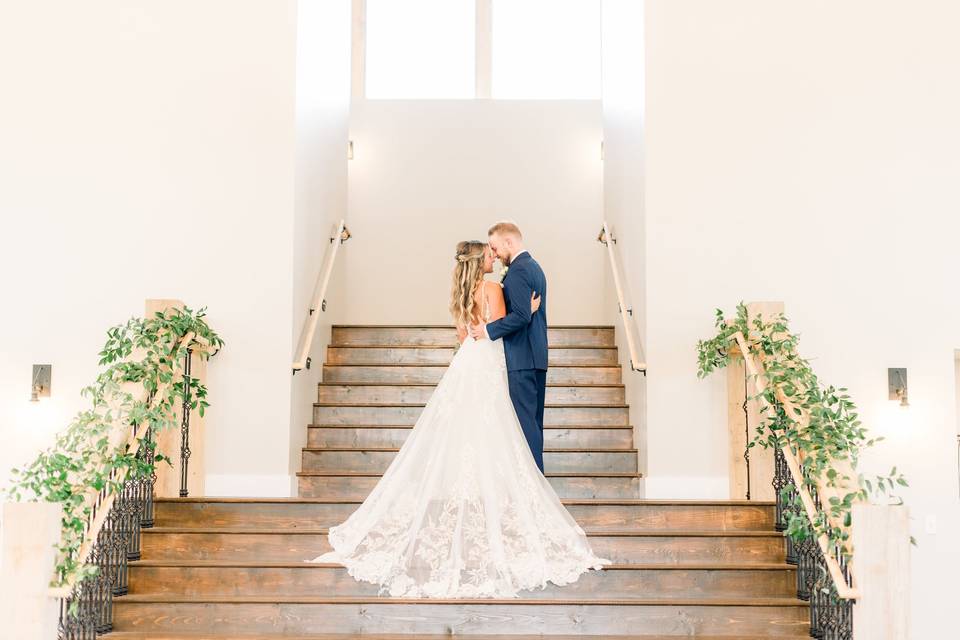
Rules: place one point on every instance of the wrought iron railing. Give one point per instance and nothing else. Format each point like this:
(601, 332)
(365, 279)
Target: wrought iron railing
(824, 578)
(831, 616)
(112, 532)
(185, 426)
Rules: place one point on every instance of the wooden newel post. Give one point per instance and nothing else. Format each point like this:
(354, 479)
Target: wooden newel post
(168, 443)
(881, 571)
(742, 425)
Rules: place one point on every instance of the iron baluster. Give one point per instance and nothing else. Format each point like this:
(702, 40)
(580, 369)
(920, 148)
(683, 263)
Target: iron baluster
(746, 428)
(185, 426)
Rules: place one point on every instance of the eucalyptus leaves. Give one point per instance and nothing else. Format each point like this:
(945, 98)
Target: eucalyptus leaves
(818, 423)
(141, 386)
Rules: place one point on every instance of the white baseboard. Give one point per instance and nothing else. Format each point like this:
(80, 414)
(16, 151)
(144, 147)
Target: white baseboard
(687, 487)
(249, 486)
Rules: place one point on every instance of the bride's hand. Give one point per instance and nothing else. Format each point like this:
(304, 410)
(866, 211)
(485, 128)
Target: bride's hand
(534, 302)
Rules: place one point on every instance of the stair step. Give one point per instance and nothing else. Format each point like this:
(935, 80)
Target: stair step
(296, 513)
(195, 578)
(447, 336)
(626, 546)
(395, 414)
(399, 354)
(357, 486)
(396, 393)
(774, 617)
(376, 435)
(137, 635)
(574, 460)
(431, 374)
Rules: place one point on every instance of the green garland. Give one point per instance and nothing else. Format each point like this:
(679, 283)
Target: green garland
(144, 352)
(830, 443)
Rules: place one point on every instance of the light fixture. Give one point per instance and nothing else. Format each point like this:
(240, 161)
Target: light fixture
(897, 385)
(349, 149)
(40, 387)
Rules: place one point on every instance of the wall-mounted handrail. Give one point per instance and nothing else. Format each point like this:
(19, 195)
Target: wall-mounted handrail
(637, 362)
(318, 301)
(842, 579)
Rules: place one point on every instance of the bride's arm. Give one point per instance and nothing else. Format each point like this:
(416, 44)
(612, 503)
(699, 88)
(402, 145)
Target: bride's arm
(461, 334)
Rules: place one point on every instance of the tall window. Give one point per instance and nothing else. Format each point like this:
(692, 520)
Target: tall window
(420, 48)
(546, 49)
(522, 49)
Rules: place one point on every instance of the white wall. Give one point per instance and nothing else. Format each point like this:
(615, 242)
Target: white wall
(427, 174)
(323, 109)
(808, 153)
(623, 188)
(148, 151)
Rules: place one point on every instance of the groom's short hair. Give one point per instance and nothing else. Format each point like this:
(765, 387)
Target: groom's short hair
(505, 228)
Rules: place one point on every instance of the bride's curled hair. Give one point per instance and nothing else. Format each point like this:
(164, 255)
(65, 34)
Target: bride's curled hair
(467, 276)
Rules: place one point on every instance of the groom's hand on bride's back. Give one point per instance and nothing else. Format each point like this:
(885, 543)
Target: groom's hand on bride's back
(478, 331)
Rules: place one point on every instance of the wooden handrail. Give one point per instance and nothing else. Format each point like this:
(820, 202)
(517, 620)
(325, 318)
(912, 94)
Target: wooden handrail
(121, 435)
(637, 362)
(318, 301)
(760, 381)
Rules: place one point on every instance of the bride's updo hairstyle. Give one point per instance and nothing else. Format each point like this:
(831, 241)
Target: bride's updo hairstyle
(467, 276)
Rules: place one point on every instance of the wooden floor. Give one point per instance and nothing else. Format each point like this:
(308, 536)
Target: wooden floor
(220, 568)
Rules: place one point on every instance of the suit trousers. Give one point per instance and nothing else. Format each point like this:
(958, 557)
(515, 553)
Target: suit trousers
(528, 391)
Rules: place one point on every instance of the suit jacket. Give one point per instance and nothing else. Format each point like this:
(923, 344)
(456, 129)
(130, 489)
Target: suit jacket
(524, 337)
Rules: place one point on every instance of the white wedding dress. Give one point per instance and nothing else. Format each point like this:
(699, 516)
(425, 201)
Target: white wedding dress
(463, 511)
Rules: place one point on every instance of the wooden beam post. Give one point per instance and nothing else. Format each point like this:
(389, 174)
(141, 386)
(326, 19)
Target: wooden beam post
(168, 443)
(30, 534)
(881, 571)
(743, 427)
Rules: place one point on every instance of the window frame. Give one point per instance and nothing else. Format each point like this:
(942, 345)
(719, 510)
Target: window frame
(483, 54)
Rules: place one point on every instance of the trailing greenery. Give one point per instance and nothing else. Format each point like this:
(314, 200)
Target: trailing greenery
(829, 443)
(142, 384)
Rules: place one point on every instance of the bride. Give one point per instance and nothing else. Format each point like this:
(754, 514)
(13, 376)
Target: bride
(463, 511)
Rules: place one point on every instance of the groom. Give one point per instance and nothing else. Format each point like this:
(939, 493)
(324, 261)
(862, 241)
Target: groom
(524, 334)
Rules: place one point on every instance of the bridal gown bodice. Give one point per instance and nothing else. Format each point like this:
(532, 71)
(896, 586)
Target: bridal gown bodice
(463, 511)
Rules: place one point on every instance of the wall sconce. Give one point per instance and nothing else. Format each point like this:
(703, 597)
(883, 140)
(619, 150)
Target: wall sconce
(350, 150)
(897, 385)
(40, 387)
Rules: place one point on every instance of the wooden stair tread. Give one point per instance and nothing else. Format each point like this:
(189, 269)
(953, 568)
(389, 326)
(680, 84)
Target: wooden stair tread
(141, 635)
(410, 426)
(452, 328)
(620, 566)
(549, 474)
(612, 533)
(440, 364)
(445, 346)
(709, 602)
(588, 385)
(390, 405)
(397, 449)
(577, 501)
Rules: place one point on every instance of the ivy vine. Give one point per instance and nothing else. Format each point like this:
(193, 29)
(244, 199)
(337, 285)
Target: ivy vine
(822, 428)
(142, 385)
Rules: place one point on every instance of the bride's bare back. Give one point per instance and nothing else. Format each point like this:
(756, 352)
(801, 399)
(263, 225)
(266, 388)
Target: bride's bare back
(489, 298)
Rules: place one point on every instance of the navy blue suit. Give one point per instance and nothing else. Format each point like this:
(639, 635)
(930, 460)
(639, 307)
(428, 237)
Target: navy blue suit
(525, 345)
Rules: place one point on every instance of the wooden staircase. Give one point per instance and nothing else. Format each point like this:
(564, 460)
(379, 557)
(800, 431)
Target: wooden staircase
(232, 567)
